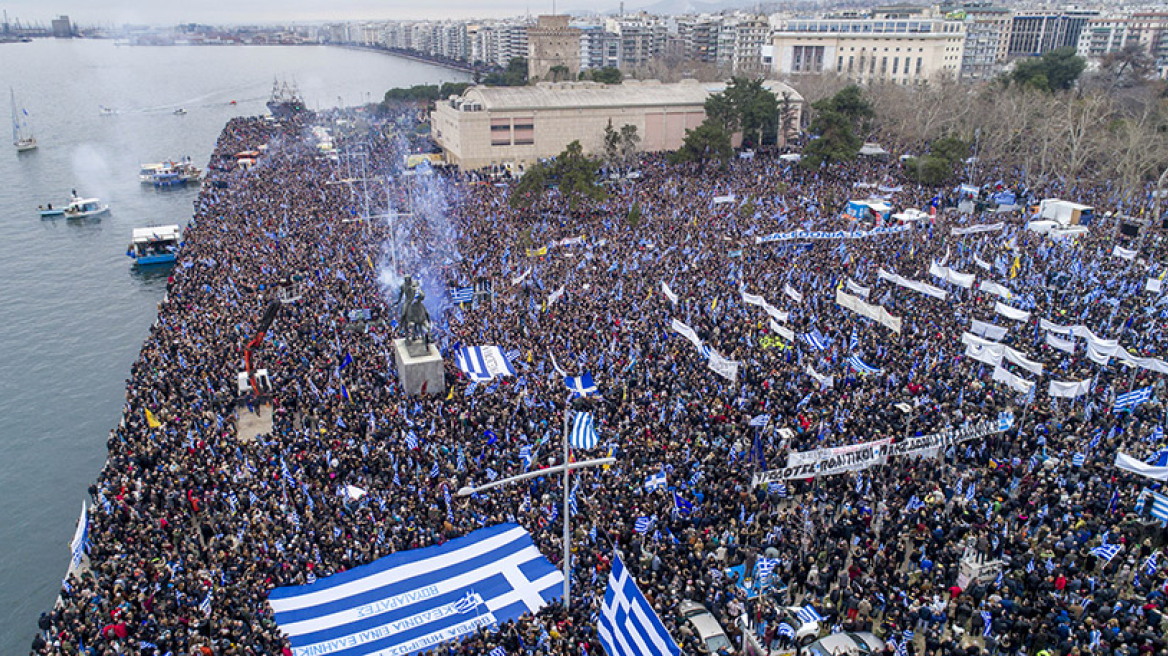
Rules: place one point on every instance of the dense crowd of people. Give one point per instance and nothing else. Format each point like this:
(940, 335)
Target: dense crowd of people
(193, 525)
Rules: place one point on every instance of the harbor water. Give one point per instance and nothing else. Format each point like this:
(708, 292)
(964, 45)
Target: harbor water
(72, 312)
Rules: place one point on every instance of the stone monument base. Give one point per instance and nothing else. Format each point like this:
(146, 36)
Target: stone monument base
(419, 365)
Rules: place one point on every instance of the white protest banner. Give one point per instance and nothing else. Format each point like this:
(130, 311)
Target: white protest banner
(668, 292)
(824, 381)
(776, 314)
(782, 331)
(863, 308)
(810, 235)
(988, 330)
(858, 289)
(1153, 285)
(1060, 343)
(951, 436)
(516, 281)
(687, 332)
(725, 368)
(974, 229)
(1063, 390)
(1011, 312)
(950, 275)
(1128, 463)
(991, 287)
(1016, 383)
(1019, 359)
(752, 299)
(790, 291)
(1123, 253)
(826, 462)
(923, 288)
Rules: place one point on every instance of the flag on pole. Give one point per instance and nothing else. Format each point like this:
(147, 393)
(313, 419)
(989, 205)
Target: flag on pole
(1106, 551)
(684, 506)
(1133, 398)
(581, 384)
(583, 435)
(628, 625)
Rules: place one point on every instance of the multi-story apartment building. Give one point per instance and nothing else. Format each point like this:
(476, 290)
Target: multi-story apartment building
(880, 47)
(598, 48)
(1108, 34)
(699, 36)
(1033, 33)
(642, 38)
(987, 37)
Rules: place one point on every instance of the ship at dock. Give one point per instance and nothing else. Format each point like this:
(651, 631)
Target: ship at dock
(285, 100)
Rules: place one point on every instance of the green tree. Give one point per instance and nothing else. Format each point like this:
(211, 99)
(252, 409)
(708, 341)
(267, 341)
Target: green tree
(611, 144)
(559, 73)
(629, 142)
(606, 75)
(707, 142)
(573, 172)
(1056, 70)
(748, 106)
(515, 75)
(835, 141)
(851, 103)
(940, 165)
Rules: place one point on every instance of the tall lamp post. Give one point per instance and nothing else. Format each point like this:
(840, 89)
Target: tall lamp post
(566, 467)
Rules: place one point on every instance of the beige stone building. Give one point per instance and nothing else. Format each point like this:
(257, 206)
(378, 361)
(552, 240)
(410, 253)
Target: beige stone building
(517, 126)
(902, 50)
(552, 42)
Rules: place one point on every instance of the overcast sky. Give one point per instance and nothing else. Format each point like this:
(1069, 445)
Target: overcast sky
(118, 12)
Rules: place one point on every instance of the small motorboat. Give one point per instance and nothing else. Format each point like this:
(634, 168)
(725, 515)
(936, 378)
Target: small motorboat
(83, 208)
(48, 211)
(180, 112)
(156, 245)
(108, 111)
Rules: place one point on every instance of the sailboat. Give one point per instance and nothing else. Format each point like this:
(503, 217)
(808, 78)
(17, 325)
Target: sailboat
(21, 137)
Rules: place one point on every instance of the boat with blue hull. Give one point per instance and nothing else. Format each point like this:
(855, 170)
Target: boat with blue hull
(154, 246)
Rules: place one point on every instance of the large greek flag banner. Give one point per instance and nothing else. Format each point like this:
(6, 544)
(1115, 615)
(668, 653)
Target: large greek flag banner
(482, 363)
(628, 624)
(412, 600)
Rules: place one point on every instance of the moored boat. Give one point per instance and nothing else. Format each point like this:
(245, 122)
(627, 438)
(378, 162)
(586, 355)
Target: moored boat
(155, 245)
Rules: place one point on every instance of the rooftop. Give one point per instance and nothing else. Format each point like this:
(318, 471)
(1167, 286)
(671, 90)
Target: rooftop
(630, 93)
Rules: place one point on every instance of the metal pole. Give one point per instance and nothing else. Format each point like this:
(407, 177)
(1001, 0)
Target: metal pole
(467, 491)
(567, 513)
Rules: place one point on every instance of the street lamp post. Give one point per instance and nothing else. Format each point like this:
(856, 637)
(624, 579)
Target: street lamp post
(565, 467)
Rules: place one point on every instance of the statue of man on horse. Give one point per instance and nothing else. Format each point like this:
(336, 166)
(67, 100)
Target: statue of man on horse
(415, 319)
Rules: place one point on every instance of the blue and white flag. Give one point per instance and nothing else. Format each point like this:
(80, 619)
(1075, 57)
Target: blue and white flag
(80, 542)
(482, 363)
(628, 624)
(655, 481)
(643, 524)
(1150, 565)
(205, 604)
(760, 421)
(786, 630)
(583, 434)
(1159, 506)
(1078, 460)
(987, 621)
(859, 365)
(460, 295)
(1106, 551)
(581, 384)
(814, 341)
(808, 614)
(684, 506)
(412, 600)
(1130, 400)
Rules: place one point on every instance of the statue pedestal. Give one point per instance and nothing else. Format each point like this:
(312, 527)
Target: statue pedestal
(419, 365)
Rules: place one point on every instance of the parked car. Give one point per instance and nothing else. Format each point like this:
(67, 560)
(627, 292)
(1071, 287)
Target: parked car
(707, 627)
(862, 643)
(805, 632)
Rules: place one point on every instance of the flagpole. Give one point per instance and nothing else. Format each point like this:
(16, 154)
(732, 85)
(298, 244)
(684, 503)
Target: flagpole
(567, 513)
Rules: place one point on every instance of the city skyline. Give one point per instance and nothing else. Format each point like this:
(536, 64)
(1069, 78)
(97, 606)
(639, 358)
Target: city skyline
(136, 12)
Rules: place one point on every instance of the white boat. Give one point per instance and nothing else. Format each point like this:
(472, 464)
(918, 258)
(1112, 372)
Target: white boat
(21, 134)
(82, 208)
(108, 111)
(153, 246)
(180, 111)
(146, 172)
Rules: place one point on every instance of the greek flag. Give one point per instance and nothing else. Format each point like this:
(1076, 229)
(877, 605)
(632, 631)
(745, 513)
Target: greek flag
(913, 504)
(412, 600)
(778, 488)
(1150, 564)
(786, 630)
(628, 625)
(205, 604)
(859, 365)
(411, 440)
(760, 421)
(655, 481)
(80, 537)
(462, 295)
(1106, 551)
(988, 622)
(1078, 459)
(1159, 506)
(583, 434)
(581, 385)
(808, 614)
(482, 363)
(524, 455)
(498, 651)
(813, 340)
(766, 566)
(1130, 400)
(643, 524)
